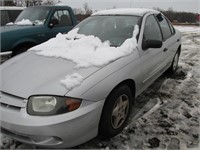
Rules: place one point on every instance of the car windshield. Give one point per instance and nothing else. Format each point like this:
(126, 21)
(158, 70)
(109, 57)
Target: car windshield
(115, 29)
(33, 16)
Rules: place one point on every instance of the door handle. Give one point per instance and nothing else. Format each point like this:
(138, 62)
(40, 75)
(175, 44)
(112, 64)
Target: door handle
(165, 50)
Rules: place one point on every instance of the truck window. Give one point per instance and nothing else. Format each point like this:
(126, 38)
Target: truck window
(63, 18)
(4, 17)
(14, 14)
(36, 15)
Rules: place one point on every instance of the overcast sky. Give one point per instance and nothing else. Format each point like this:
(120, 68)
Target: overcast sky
(177, 5)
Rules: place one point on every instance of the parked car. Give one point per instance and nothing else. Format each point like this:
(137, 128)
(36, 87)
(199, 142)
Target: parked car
(116, 55)
(33, 26)
(9, 14)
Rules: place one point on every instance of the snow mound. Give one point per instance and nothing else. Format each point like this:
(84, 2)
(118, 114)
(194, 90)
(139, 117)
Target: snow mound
(24, 22)
(187, 29)
(10, 23)
(72, 81)
(85, 51)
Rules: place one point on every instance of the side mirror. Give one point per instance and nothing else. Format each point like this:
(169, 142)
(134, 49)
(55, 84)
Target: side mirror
(151, 44)
(53, 23)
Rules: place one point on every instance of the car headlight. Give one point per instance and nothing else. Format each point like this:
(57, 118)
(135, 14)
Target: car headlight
(51, 105)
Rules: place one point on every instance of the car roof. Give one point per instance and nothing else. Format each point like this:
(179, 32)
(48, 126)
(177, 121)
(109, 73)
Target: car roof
(11, 8)
(125, 11)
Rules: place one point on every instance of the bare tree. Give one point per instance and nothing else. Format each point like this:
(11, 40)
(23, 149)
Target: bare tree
(19, 2)
(78, 11)
(114, 7)
(87, 10)
(170, 9)
(27, 3)
(51, 2)
(7, 3)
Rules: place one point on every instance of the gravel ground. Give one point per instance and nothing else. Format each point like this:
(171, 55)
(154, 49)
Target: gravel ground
(165, 116)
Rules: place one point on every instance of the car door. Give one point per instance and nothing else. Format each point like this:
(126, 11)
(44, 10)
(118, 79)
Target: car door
(151, 58)
(62, 22)
(169, 40)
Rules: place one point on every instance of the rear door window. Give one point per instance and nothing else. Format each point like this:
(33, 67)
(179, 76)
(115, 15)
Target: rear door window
(172, 28)
(166, 31)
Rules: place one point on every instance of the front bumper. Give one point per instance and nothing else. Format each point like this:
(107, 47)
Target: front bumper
(59, 131)
(5, 56)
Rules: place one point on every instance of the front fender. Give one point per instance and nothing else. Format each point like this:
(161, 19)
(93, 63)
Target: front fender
(23, 41)
(101, 83)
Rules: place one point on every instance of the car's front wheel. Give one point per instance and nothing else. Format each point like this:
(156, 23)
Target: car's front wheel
(115, 112)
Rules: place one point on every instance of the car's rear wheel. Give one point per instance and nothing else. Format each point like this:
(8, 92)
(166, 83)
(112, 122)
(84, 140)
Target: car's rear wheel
(115, 112)
(174, 66)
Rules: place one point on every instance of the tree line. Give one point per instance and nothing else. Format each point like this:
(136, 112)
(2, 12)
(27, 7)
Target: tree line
(180, 17)
(28, 3)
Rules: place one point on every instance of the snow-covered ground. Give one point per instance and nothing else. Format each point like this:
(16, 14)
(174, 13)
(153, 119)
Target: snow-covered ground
(165, 116)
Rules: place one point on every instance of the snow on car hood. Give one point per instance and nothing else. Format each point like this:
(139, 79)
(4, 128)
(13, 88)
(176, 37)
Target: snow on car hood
(60, 64)
(84, 51)
(30, 74)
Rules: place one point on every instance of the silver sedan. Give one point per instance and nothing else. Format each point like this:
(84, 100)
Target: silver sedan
(37, 109)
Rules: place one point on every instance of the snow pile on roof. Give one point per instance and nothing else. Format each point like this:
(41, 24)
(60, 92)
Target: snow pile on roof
(125, 11)
(24, 22)
(85, 51)
(72, 81)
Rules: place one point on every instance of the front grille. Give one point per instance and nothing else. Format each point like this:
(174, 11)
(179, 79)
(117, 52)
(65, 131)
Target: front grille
(11, 101)
(15, 108)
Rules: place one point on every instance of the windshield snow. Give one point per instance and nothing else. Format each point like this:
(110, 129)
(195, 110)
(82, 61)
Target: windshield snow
(115, 29)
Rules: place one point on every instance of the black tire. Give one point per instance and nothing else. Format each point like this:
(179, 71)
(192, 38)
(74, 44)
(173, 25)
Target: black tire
(109, 125)
(174, 66)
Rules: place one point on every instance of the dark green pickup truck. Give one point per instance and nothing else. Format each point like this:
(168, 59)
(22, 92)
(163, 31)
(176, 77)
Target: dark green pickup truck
(34, 26)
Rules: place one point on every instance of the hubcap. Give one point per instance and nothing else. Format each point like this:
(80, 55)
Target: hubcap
(175, 63)
(120, 111)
